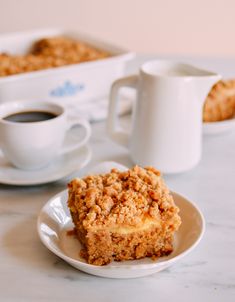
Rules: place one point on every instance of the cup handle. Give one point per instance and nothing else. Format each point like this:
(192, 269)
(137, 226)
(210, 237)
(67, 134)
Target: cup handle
(115, 131)
(74, 122)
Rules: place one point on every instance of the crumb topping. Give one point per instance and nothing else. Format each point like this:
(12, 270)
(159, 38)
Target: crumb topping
(123, 198)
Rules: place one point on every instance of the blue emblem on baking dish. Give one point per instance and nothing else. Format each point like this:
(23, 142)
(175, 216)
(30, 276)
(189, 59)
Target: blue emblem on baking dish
(67, 89)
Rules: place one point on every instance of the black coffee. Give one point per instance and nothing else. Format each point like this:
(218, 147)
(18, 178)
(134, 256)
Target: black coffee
(30, 116)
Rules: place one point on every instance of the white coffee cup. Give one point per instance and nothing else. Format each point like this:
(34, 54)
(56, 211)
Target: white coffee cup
(33, 145)
(167, 116)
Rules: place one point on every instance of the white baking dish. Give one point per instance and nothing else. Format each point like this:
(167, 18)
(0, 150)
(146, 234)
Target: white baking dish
(72, 83)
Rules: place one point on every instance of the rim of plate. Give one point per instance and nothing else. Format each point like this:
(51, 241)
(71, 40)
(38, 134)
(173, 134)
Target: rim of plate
(224, 123)
(122, 266)
(50, 179)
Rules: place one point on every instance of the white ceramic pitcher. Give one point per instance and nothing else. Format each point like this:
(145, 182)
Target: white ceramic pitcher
(167, 122)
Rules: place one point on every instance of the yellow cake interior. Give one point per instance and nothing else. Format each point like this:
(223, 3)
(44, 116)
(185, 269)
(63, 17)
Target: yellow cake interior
(146, 224)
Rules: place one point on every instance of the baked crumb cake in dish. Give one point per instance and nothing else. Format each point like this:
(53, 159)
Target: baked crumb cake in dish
(49, 53)
(123, 215)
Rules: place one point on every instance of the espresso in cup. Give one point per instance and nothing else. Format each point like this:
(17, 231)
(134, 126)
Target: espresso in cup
(30, 116)
(33, 132)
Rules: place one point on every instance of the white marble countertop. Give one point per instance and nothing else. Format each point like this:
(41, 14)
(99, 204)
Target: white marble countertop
(29, 272)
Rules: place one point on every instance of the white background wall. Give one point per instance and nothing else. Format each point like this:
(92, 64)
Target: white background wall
(203, 27)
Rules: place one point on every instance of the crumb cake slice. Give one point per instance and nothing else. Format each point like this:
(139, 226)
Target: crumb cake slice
(123, 215)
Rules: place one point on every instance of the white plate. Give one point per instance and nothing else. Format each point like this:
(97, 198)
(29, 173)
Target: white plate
(58, 169)
(218, 127)
(54, 221)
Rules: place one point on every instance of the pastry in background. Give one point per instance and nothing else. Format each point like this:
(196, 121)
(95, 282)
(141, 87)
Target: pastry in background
(220, 102)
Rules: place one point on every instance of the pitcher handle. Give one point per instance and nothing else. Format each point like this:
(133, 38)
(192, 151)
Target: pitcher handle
(115, 131)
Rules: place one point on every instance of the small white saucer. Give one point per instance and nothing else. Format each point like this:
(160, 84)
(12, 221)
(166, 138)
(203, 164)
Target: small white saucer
(218, 127)
(58, 169)
(54, 221)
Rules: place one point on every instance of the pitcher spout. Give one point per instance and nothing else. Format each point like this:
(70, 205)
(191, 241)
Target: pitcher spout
(201, 80)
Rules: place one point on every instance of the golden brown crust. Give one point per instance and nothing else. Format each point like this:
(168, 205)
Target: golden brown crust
(49, 53)
(220, 102)
(136, 200)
